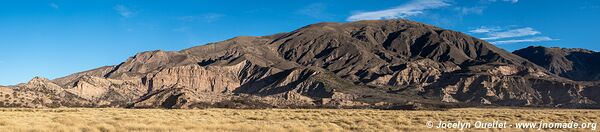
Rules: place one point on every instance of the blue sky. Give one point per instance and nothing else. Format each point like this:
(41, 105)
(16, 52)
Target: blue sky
(53, 38)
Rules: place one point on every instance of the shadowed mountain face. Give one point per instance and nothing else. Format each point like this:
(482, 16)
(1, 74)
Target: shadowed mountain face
(378, 64)
(575, 64)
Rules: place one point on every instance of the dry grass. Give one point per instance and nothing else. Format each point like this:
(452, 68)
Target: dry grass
(266, 120)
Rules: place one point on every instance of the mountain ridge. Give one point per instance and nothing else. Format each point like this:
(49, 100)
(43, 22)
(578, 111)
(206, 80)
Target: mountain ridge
(373, 64)
(573, 63)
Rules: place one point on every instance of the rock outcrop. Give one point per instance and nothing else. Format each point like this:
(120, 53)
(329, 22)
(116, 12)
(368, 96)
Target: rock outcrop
(378, 64)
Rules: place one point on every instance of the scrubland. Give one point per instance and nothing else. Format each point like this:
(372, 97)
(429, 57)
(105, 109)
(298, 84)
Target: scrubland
(113, 119)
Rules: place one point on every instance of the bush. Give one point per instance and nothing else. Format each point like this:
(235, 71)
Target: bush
(240, 103)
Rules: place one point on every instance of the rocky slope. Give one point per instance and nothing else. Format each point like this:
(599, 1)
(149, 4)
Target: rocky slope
(575, 64)
(395, 64)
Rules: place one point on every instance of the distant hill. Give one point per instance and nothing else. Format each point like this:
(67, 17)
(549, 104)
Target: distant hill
(575, 64)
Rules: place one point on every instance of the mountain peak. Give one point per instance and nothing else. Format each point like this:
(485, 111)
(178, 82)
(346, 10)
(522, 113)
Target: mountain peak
(573, 63)
(38, 79)
(353, 64)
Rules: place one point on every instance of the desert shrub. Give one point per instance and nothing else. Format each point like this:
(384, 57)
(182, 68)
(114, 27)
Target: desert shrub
(243, 104)
(54, 104)
(200, 105)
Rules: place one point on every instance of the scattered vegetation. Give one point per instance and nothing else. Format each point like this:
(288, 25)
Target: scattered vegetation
(109, 119)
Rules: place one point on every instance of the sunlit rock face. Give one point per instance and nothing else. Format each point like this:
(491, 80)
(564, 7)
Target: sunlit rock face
(357, 64)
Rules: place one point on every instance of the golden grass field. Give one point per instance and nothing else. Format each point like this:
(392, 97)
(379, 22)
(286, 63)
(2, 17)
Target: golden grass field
(84, 119)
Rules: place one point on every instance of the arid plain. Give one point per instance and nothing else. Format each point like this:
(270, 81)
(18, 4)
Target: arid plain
(109, 119)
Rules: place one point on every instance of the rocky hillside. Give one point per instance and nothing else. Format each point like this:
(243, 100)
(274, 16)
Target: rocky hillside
(575, 64)
(396, 64)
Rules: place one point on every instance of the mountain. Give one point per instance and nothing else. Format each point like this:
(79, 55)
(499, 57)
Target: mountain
(389, 64)
(575, 64)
